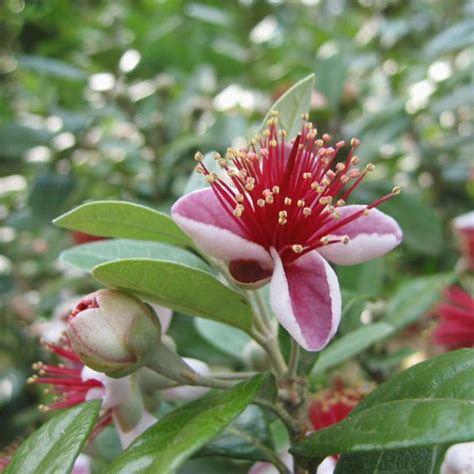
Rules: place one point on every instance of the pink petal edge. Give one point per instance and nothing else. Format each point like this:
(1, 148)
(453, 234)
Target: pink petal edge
(202, 217)
(306, 299)
(370, 236)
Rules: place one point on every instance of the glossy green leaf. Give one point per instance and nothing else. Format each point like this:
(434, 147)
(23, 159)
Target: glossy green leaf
(394, 425)
(350, 345)
(414, 299)
(55, 446)
(291, 105)
(179, 434)
(123, 220)
(449, 376)
(223, 337)
(247, 437)
(178, 287)
(87, 256)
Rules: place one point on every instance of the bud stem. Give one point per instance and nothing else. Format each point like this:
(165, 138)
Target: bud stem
(167, 363)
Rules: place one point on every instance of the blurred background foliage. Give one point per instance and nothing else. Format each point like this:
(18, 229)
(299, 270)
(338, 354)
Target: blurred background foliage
(110, 100)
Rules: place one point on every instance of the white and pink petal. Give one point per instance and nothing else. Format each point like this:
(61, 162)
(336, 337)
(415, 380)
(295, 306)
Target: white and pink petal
(306, 299)
(371, 236)
(203, 218)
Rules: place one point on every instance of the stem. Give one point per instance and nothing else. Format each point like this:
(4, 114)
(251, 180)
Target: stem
(233, 376)
(280, 412)
(294, 359)
(272, 348)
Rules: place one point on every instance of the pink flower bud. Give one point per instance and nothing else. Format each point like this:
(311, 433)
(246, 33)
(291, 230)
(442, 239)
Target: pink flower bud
(113, 332)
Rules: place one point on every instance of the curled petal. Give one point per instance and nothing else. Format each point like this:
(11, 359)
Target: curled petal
(202, 217)
(370, 236)
(306, 299)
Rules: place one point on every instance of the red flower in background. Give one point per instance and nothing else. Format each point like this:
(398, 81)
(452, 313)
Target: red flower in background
(455, 328)
(333, 405)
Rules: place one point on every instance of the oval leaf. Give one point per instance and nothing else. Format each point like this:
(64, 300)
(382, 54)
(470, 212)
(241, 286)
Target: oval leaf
(55, 446)
(178, 287)
(394, 425)
(87, 256)
(291, 105)
(123, 220)
(179, 434)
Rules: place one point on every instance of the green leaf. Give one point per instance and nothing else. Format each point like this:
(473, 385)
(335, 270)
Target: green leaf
(17, 139)
(179, 434)
(446, 378)
(55, 446)
(460, 35)
(421, 224)
(223, 337)
(291, 105)
(394, 425)
(248, 437)
(123, 220)
(178, 287)
(52, 67)
(87, 256)
(414, 298)
(350, 345)
(332, 73)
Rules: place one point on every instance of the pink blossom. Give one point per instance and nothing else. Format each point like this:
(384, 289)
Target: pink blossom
(278, 214)
(455, 328)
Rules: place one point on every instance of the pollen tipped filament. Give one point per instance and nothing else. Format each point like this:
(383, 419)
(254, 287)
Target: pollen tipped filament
(285, 194)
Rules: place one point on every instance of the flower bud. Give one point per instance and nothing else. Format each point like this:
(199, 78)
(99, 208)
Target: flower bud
(113, 332)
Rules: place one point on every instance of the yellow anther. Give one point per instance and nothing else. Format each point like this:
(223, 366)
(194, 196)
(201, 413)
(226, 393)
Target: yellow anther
(344, 179)
(31, 379)
(297, 248)
(276, 189)
(304, 116)
(340, 166)
(282, 132)
(319, 143)
(222, 163)
(307, 211)
(287, 201)
(326, 137)
(396, 190)
(370, 167)
(365, 212)
(307, 175)
(250, 184)
(325, 181)
(345, 240)
(198, 156)
(282, 214)
(324, 240)
(355, 142)
(211, 178)
(266, 133)
(239, 197)
(309, 125)
(340, 144)
(269, 199)
(273, 143)
(336, 215)
(300, 203)
(217, 156)
(239, 209)
(340, 202)
(261, 202)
